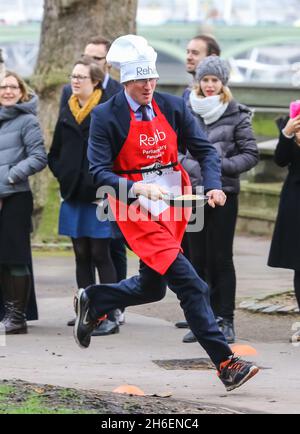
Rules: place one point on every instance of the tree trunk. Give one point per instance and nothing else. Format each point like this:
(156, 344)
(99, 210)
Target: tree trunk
(2, 66)
(68, 24)
(66, 28)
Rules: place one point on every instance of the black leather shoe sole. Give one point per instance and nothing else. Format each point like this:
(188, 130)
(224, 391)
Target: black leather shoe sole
(230, 340)
(17, 331)
(253, 371)
(182, 325)
(189, 338)
(71, 323)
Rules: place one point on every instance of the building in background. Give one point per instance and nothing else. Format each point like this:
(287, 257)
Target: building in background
(260, 39)
(157, 12)
(14, 12)
(229, 12)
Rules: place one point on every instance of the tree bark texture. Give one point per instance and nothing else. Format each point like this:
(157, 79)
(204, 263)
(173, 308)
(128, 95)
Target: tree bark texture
(66, 28)
(68, 24)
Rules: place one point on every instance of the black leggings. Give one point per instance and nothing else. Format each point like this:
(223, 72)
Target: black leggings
(297, 286)
(211, 254)
(91, 253)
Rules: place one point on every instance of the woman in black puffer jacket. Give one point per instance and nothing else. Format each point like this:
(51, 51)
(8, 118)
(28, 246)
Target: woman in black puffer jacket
(228, 127)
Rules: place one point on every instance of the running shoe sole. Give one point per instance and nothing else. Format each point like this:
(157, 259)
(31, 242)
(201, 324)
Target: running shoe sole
(78, 317)
(253, 371)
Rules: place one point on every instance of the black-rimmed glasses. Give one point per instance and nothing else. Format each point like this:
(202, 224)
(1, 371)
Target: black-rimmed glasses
(79, 78)
(144, 81)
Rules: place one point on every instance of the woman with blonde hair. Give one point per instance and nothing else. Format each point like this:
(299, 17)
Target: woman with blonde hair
(228, 127)
(22, 154)
(68, 162)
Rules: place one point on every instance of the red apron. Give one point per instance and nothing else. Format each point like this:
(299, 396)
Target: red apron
(158, 242)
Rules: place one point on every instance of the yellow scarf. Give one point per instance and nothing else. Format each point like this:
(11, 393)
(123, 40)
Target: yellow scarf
(80, 113)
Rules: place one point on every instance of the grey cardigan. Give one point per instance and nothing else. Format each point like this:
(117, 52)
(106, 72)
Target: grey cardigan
(233, 138)
(22, 151)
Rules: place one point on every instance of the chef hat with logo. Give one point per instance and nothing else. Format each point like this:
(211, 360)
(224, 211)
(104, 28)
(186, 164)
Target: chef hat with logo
(134, 57)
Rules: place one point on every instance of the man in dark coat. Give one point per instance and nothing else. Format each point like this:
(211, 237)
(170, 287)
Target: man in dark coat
(130, 121)
(198, 48)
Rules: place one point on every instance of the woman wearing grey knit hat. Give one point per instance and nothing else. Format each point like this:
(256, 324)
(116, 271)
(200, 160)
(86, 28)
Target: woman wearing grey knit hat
(228, 127)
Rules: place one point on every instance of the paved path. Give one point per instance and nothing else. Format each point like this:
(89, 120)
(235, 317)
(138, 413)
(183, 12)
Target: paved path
(48, 353)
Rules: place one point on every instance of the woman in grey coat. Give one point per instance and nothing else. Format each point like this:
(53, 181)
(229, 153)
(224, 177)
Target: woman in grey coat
(228, 127)
(22, 154)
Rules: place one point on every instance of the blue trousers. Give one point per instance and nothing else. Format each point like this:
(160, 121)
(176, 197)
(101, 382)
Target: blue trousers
(149, 286)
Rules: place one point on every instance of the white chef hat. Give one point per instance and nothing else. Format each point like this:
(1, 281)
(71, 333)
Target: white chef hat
(134, 57)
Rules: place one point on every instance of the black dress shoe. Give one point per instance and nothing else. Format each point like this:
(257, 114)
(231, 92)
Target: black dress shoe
(189, 338)
(71, 323)
(228, 331)
(106, 328)
(182, 325)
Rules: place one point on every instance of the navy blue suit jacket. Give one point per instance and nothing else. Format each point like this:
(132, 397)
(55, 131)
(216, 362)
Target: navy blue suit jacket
(111, 89)
(186, 94)
(110, 126)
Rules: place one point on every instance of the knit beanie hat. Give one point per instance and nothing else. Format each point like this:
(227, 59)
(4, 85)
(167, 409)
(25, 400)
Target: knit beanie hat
(213, 65)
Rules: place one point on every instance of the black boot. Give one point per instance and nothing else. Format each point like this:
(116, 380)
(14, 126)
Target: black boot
(228, 330)
(15, 293)
(182, 325)
(106, 328)
(71, 322)
(189, 338)
(109, 326)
